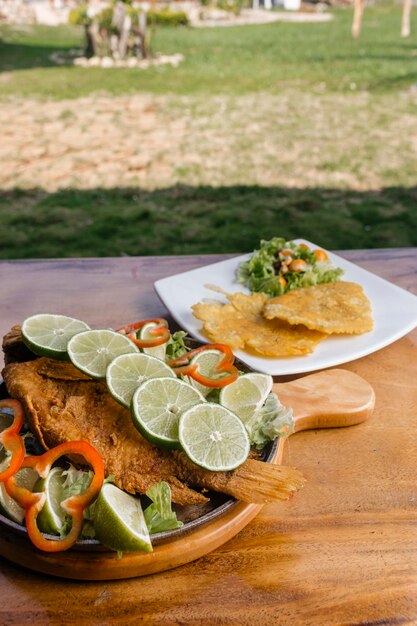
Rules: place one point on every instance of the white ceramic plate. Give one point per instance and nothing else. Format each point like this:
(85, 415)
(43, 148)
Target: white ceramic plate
(394, 311)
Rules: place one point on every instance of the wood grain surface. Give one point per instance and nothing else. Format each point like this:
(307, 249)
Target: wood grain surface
(342, 551)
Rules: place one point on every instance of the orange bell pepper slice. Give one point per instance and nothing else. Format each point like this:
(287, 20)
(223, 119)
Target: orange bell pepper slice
(183, 366)
(33, 502)
(11, 440)
(160, 332)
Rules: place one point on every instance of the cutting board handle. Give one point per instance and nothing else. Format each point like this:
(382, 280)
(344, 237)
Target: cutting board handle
(327, 399)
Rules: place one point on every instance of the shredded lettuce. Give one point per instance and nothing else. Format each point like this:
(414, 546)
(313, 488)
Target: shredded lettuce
(176, 346)
(270, 421)
(258, 273)
(76, 481)
(159, 515)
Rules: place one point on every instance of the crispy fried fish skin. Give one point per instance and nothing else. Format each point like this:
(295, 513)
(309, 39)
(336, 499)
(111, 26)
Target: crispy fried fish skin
(62, 404)
(14, 348)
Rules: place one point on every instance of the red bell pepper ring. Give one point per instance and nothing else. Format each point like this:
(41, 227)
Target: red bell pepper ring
(160, 332)
(183, 366)
(33, 502)
(11, 440)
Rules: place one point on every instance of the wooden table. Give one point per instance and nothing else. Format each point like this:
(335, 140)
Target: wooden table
(343, 551)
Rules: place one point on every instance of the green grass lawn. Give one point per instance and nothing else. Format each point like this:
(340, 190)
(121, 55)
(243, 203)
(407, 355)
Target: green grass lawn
(353, 128)
(233, 60)
(198, 220)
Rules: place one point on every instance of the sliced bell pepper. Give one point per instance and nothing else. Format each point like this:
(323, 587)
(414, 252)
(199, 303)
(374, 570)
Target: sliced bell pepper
(33, 502)
(182, 366)
(11, 440)
(160, 332)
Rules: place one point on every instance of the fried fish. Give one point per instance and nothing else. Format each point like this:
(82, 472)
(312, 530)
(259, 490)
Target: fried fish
(62, 404)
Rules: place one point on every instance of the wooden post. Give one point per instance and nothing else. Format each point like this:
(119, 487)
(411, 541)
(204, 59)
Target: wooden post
(357, 18)
(405, 23)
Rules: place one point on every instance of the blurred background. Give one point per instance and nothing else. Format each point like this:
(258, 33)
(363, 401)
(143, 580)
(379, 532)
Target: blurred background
(148, 128)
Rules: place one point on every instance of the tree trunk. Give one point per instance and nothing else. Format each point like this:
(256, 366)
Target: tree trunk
(93, 39)
(143, 35)
(124, 36)
(89, 45)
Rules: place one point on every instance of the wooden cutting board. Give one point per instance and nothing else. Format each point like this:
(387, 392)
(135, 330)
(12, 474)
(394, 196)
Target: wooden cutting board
(328, 399)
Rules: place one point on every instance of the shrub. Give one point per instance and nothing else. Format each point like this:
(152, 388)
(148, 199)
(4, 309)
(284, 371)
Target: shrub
(234, 6)
(104, 20)
(163, 17)
(167, 17)
(78, 16)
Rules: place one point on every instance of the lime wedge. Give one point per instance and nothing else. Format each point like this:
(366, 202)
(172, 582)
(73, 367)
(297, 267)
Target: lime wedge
(25, 477)
(52, 517)
(93, 350)
(119, 522)
(157, 406)
(48, 335)
(127, 371)
(213, 437)
(157, 351)
(207, 361)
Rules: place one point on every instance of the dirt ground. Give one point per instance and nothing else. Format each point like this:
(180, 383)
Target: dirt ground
(356, 141)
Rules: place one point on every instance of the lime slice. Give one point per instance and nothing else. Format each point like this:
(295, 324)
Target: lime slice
(264, 383)
(157, 406)
(213, 437)
(207, 361)
(157, 351)
(119, 522)
(25, 477)
(242, 397)
(52, 517)
(93, 350)
(48, 335)
(127, 371)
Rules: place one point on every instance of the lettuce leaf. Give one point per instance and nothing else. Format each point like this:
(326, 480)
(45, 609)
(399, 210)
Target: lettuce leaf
(258, 273)
(159, 515)
(176, 346)
(270, 421)
(76, 481)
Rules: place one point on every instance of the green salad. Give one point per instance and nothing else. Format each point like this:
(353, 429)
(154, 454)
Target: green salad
(278, 266)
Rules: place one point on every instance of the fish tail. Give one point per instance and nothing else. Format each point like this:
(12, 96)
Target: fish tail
(253, 482)
(260, 482)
